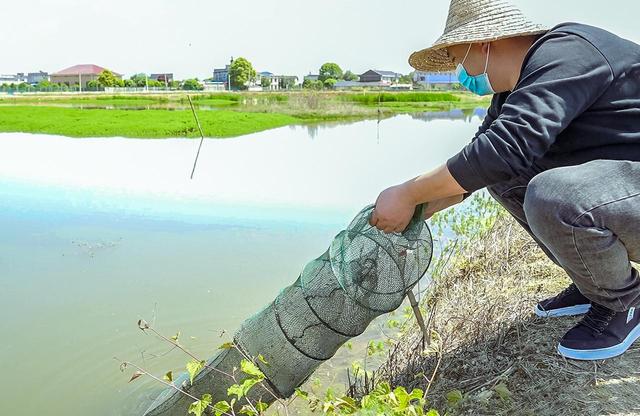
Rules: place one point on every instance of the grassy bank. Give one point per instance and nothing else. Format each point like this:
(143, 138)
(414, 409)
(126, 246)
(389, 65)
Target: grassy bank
(139, 124)
(489, 354)
(226, 115)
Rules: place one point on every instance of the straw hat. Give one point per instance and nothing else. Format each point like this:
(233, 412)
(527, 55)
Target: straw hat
(472, 21)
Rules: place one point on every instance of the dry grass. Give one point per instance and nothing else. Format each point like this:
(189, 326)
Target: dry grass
(488, 337)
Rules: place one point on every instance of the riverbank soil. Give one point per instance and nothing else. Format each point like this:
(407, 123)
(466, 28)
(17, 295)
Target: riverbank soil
(490, 355)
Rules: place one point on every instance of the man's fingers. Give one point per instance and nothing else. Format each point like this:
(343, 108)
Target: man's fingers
(390, 229)
(373, 220)
(384, 226)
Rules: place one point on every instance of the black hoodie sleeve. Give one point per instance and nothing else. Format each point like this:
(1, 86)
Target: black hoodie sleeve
(562, 77)
(492, 114)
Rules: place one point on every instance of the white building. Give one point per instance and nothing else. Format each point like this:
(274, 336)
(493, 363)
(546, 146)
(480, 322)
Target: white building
(276, 82)
(13, 78)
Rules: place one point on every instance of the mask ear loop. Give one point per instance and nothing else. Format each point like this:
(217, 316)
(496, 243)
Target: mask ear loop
(465, 57)
(486, 65)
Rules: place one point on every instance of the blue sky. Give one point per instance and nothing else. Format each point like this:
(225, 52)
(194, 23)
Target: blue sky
(190, 38)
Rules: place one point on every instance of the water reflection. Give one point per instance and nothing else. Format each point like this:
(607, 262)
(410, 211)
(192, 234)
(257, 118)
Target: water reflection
(469, 115)
(466, 115)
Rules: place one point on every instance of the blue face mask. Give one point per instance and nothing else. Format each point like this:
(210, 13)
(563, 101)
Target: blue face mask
(478, 84)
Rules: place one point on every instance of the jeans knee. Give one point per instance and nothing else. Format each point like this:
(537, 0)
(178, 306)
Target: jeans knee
(547, 201)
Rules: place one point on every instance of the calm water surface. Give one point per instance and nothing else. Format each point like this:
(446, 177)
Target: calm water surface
(97, 233)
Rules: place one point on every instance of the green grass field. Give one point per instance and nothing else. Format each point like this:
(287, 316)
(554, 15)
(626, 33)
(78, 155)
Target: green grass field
(74, 122)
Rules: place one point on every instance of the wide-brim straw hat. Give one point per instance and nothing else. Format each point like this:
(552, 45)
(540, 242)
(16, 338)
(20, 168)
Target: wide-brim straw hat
(474, 21)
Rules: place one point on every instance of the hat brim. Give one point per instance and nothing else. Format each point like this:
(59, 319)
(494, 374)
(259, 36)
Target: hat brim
(436, 58)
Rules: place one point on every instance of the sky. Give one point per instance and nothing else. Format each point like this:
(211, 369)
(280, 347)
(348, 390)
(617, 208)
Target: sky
(294, 37)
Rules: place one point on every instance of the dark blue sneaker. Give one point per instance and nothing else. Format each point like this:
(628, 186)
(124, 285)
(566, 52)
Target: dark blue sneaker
(601, 334)
(569, 302)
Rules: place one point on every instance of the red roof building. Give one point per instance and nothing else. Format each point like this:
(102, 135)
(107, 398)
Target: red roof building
(79, 74)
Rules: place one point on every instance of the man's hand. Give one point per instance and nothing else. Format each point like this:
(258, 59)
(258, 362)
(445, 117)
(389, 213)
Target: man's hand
(394, 210)
(395, 206)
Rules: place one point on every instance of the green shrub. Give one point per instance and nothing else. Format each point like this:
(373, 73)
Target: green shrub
(403, 97)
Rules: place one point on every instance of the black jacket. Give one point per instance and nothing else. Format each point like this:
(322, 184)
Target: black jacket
(577, 100)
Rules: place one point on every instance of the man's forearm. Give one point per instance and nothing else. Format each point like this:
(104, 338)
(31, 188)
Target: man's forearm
(432, 186)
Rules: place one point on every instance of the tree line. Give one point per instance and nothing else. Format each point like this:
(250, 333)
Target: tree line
(106, 79)
(241, 76)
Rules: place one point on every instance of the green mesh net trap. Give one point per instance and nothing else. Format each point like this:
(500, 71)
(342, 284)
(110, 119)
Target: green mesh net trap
(364, 274)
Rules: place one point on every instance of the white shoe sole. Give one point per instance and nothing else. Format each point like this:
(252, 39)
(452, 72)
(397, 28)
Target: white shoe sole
(602, 353)
(568, 311)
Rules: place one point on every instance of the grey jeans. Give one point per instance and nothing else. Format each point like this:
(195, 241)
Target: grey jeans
(586, 219)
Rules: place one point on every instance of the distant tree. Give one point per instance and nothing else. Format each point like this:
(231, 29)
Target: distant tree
(174, 84)
(330, 83)
(44, 85)
(93, 85)
(265, 82)
(128, 83)
(139, 80)
(241, 73)
(330, 70)
(155, 83)
(407, 79)
(107, 79)
(288, 83)
(350, 76)
(312, 84)
(192, 85)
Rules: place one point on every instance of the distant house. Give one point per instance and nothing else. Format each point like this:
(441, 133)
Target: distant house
(210, 85)
(311, 77)
(34, 78)
(266, 75)
(277, 82)
(221, 74)
(436, 80)
(12, 78)
(375, 75)
(167, 78)
(79, 74)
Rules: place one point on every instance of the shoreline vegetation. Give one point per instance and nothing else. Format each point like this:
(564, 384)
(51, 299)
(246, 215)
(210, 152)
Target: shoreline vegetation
(484, 352)
(488, 353)
(221, 115)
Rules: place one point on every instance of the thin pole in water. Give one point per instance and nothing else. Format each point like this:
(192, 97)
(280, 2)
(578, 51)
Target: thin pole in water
(193, 110)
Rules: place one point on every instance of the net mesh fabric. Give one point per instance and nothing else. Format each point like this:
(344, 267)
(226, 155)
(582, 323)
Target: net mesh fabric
(364, 274)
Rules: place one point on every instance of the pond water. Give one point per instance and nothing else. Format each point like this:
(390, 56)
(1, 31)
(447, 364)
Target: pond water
(97, 233)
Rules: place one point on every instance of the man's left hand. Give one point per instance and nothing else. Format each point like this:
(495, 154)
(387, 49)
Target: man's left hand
(394, 209)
